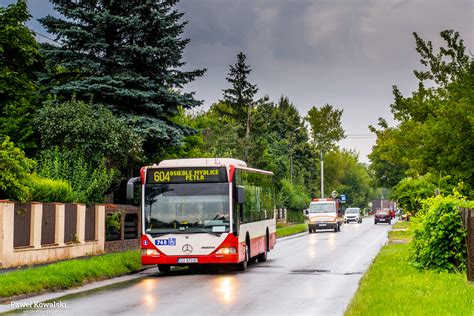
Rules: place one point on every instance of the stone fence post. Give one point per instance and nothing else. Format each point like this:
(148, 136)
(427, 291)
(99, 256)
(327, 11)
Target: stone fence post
(467, 216)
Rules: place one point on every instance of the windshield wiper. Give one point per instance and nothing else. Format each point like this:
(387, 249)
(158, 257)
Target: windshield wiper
(200, 230)
(158, 234)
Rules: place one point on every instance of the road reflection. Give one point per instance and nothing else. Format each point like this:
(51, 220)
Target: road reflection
(313, 240)
(149, 299)
(332, 241)
(226, 288)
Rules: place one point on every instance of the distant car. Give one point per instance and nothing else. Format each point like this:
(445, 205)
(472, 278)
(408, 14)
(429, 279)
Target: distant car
(352, 214)
(382, 216)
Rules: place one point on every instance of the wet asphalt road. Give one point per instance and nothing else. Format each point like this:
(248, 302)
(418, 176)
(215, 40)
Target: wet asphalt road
(308, 274)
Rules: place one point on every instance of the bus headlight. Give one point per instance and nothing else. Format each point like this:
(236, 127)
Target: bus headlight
(226, 251)
(150, 252)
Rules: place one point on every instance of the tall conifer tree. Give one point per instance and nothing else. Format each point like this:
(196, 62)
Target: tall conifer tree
(19, 60)
(239, 98)
(126, 54)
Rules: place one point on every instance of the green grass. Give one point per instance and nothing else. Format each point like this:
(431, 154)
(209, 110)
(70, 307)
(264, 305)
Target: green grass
(401, 225)
(291, 230)
(67, 274)
(393, 286)
(404, 235)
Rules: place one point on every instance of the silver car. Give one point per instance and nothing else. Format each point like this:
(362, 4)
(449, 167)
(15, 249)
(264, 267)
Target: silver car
(352, 214)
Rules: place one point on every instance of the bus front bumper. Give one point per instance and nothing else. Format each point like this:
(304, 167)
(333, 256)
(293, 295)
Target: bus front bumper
(187, 260)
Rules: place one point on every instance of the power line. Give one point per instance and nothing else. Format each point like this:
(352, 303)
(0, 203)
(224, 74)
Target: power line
(48, 38)
(361, 136)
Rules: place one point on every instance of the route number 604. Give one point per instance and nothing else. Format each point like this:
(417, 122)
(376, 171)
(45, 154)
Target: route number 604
(161, 176)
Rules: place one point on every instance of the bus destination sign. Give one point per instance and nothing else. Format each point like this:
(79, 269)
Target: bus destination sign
(186, 175)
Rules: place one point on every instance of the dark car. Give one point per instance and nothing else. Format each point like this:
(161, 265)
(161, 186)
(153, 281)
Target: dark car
(382, 216)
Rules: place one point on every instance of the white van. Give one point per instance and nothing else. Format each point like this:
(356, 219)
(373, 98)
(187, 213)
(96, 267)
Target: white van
(324, 214)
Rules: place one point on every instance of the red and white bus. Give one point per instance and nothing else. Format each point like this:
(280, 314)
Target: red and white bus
(205, 211)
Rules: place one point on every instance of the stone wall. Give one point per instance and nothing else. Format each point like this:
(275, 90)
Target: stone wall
(35, 252)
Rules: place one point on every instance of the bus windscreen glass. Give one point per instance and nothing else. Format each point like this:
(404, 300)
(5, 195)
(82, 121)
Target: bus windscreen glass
(186, 208)
(327, 207)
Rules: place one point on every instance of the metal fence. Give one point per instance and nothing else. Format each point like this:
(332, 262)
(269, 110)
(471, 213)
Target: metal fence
(21, 225)
(48, 224)
(90, 224)
(70, 223)
(467, 215)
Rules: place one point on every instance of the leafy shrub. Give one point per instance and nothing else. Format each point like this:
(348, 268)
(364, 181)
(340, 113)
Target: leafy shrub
(91, 130)
(89, 182)
(293, 197)
(113, 225)
(439, 237)
(295, 216)
(15, 169)
(50, 190)
(409, 192)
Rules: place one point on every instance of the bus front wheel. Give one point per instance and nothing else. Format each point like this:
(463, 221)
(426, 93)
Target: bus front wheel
(242, 266)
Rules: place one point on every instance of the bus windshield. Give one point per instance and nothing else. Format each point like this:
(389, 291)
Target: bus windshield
(187, 208)
(328, 207)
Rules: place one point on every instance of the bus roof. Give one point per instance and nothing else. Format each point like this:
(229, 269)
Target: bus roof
(202, 162)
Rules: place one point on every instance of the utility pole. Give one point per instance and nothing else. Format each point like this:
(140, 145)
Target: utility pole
(291, 153)
(291, 164)
(322, 175)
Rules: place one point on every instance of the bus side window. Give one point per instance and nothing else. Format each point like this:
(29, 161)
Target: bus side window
(241, 212)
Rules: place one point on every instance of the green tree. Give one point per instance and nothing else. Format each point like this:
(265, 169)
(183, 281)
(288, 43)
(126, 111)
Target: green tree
(410, 192)
(326, 128)
(238, 101)
(289, 154)
(126, 55)
(389, 158)
(91, 131)
(19, 59)
(345, 174)
(15, 172)
(435, 133)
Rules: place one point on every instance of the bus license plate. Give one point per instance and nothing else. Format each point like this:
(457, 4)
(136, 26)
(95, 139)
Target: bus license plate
(187, 260)
(322, 225)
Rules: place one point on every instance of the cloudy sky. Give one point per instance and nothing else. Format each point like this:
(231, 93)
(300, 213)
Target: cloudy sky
(347, 53)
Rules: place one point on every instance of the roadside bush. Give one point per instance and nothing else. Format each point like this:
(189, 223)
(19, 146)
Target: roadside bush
(89, 182)
(113, 225)
(439, 237)
(91, 130)
(15, 170)
(293, 197)
(295, 216)
(50, 190)
(409, 192)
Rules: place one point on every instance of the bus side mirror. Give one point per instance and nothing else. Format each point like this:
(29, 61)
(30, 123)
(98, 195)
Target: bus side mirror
(131, 187)
(240, 195)
(306, 212)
